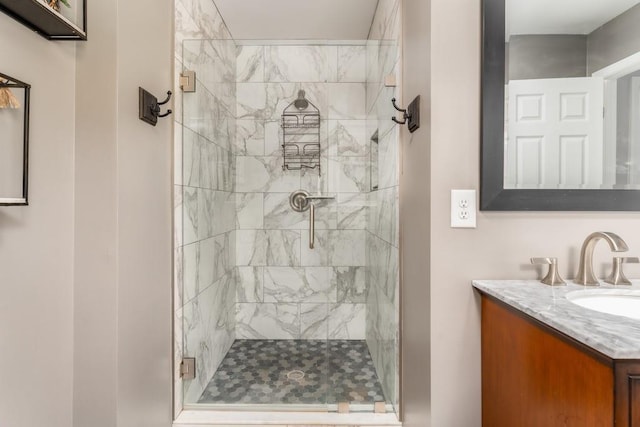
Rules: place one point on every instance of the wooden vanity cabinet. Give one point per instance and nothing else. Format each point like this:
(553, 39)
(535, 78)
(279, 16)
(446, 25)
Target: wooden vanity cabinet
(535, 376)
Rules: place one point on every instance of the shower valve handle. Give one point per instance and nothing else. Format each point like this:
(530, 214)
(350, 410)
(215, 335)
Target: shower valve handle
(300, 201)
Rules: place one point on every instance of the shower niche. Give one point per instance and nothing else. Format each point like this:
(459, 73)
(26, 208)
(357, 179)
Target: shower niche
(276, 317)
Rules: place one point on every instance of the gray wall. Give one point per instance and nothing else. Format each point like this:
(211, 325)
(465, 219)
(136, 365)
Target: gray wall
(502, 244)
(547, 56)
(554, 56)
(614, 41)
(122, 292)
(36, 241)
(415, 219)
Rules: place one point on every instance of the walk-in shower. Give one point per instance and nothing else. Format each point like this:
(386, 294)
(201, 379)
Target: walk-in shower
(286, 231)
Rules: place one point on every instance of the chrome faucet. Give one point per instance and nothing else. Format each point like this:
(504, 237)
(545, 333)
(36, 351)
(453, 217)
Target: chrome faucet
(585, 274)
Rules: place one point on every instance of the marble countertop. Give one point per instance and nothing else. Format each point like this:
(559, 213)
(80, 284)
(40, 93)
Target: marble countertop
(614, 336)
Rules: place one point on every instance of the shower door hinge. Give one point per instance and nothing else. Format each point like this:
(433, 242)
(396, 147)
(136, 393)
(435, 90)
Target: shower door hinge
(188, 81)
(188, 368)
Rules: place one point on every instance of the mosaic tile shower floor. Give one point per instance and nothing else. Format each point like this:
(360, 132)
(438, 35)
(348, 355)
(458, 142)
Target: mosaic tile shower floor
(265, 372)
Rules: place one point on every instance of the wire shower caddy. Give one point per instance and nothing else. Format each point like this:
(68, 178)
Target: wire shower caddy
(301, 135)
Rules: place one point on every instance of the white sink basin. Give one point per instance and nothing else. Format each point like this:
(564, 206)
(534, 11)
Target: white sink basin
(611, 301)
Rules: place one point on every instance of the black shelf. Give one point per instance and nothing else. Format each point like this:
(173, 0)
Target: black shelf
(44, 20)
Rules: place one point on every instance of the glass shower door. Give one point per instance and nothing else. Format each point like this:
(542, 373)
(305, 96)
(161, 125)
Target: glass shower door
(259, 339)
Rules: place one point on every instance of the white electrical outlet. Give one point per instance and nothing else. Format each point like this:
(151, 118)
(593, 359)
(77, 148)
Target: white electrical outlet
(463, 208)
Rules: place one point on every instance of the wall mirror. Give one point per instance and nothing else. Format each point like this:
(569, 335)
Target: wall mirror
(561, 105)
(14, 141)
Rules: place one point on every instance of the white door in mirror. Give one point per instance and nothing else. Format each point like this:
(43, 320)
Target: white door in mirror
(463, 208)
(555, 133)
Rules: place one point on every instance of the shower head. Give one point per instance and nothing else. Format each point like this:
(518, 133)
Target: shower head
(301, 103)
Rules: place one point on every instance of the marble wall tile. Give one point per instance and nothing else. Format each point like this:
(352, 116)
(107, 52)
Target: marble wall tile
(384, 110)
(384, 214)
(352, 211)
(282, 247)
(251, 248)
(374, 76)
(178, 277)
(349, 174)
(177, 215)
(300, 284)
(348, 138)
(273, 138)
(347, 321)
(347, 101)
(184, 25)
(250, 210)
(281, 95)
(382, 255)
(209, 329)
(178, 385)
(301, 63)
(216, 213)
(191, 271)
(250, 284)
(264, 174)
(191, 154)
(224, 212)
(383, 270)
(352, 63)
(216, 257)
(204, 164)
(212, 60)
(250, 138)
(177, 153)
(393, 27)
(388, 57)
(251, 101)
(351, 283)
(250, 64)
(374, 91)
(383, 18)
(316, 181)
(209, 153)
(205, 213)
(189, 215)
(314, 321)
(279, 215)
(382, 330)
(335, 248)
(203, 113)
(209, 22)
(267, 321)
(280, 242)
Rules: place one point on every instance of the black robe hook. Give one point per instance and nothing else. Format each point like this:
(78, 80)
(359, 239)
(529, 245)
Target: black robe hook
(410, 116)
(149, 107)
(405, 116)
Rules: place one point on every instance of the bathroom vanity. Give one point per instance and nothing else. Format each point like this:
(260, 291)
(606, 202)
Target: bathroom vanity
(547, 361)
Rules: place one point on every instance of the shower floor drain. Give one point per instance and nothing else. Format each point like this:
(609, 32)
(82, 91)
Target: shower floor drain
(295, 375)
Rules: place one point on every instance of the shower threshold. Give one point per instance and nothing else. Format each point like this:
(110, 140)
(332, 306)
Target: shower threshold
(318, 408)
(212, 418)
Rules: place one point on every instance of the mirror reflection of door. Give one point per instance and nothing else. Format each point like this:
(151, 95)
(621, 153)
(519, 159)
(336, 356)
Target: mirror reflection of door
(555, 133)
(572, 114)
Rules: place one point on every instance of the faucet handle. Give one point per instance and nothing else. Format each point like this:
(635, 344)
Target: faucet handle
(617, 276)
(553, 277)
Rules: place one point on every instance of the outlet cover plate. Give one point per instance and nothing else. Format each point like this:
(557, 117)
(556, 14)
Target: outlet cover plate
(463, 208)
